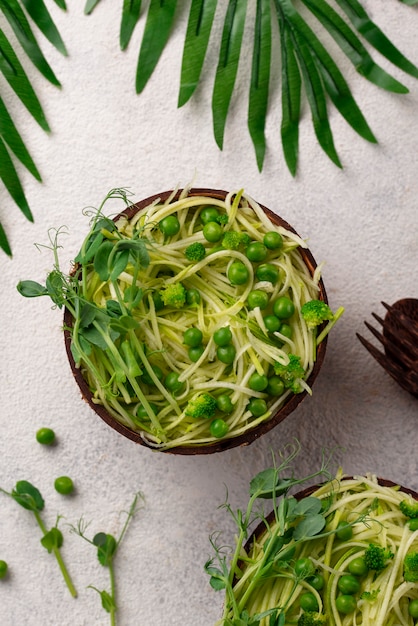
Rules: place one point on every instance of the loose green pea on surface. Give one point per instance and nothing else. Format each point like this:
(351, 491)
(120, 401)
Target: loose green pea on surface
(64, 485)
(45, 436)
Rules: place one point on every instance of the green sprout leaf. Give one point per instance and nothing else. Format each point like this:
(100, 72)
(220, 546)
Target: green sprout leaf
(106, 548)
(31, 289)
(52, 539)
(28, 496)
(267, 484)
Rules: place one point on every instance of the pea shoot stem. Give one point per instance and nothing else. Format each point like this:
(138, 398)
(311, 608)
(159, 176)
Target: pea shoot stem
(58, 556)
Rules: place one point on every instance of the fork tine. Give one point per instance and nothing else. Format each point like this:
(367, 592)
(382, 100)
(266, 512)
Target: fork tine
(392, 368)
(379, 319)
(407, 323)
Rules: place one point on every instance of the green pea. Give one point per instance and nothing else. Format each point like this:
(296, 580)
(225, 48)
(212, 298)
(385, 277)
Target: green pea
(308, 602)
(258, 382)
(169, 225)
(275, 386)
(173, 384)
(146, 378)
(348, 584)
(358, 566)
(273, 240)
(226, 354)
(192, 297)
(413, 608)
(212, 232)
(257, 407)
(346, 604)
(256, 252)
(267, 272)
(193, 337)
(238, 273)
(413, 524)
(209, 214)
(64, 485)
(142, 412)
(218, 428)
(344, 531)
(224, 403)
(304, 567)
(286, 330)
(195, 353)
(222, 336)
(317, 581)
(3, 569)
(45, 436)
(258, 298)
(283, 308)
(272, 323)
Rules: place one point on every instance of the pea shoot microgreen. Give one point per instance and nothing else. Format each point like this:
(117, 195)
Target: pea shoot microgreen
(107, 546)
(30, 498)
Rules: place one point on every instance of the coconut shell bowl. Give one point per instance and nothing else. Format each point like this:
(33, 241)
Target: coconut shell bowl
(190, 338)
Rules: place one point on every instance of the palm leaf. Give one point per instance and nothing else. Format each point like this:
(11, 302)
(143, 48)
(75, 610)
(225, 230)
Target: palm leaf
(227, 68)
(198, 32)
(4, 242)
(316, 97)
(159, 21)
(21, 27)
(11, 137)
(90, 5)
(12, 69)
(333, 80)
(61, 4)
(11, 181)
(40, 15)
(372, 33)
(260, 79)
(14, 73)
(130, 16)
(352, 46)
(291, 97)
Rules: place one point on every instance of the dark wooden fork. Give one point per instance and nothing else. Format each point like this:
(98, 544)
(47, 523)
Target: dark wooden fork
(400, 342)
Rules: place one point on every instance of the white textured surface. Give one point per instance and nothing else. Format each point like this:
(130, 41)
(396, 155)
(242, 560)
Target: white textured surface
(362, 221)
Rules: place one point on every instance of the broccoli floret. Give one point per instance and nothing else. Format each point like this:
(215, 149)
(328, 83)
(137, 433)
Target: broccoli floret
(173, 295)
(201, 406)
(409, 508)
(232, 240)
(410, 567)
(315, 312)
(290, 373)
(311, 618)
(376, 557)
(370, 596)
(195, 252)
(222, 219)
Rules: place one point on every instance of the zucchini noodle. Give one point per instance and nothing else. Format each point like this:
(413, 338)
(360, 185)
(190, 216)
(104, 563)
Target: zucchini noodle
(372, 511)
(159, 331)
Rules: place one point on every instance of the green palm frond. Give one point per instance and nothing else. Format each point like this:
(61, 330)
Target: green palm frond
(19, 16)
(306, 66)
